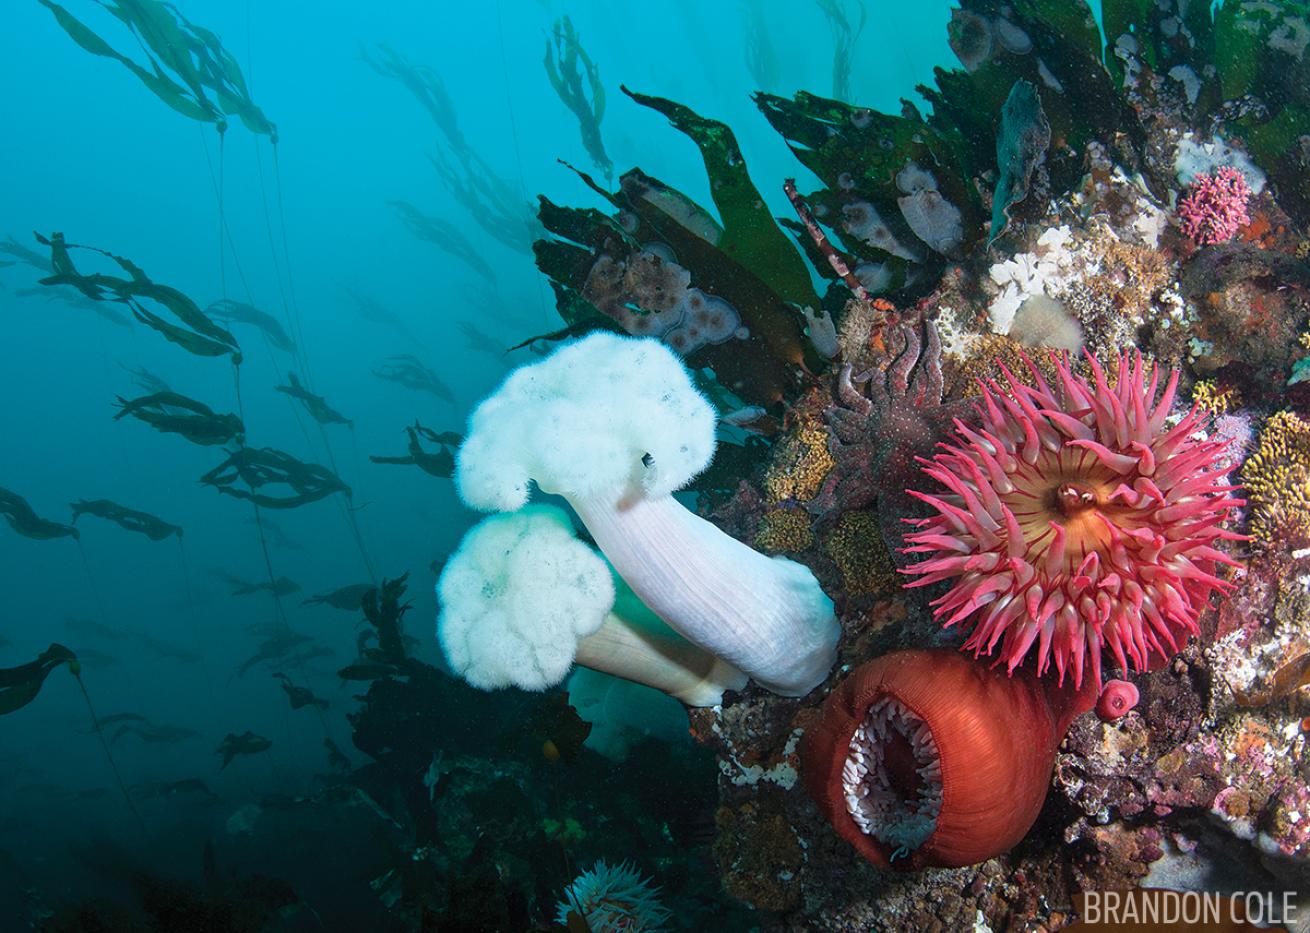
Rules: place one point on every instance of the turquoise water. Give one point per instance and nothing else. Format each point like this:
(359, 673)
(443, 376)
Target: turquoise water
(219, 723)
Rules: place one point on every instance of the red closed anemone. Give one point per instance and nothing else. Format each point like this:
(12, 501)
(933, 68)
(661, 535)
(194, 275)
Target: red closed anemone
(1074, 521)
(1117, 698)
(926, 758)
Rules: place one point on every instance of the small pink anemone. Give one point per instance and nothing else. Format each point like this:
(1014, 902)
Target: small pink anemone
(1074, 521)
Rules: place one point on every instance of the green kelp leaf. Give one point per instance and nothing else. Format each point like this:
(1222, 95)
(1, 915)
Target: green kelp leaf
(185, 66)
(192, 343)
(897, 190)
(1072, 20)
(1166, 34)
(763, 367)
(171, 93)
(20, 685)
(1239, 36)
(750, 234)
(1054, 45)
(567, 62)
(581, 225)
(1257, 55)
(1020, 148)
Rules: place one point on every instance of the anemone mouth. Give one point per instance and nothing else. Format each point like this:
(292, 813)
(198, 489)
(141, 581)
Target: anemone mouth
(1072, 489)
(1074, 521)
(892, 777)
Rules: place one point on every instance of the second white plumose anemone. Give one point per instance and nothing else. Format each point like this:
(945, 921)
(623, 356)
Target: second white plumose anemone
(614, 425)
(522, 600)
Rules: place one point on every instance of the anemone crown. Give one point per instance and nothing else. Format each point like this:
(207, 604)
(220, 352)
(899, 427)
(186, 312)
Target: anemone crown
(1074, 520)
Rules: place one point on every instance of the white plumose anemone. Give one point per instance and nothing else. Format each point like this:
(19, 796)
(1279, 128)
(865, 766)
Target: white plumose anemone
(523, 600)
(615, 426)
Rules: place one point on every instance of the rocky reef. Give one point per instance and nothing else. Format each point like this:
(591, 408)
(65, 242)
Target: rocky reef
(1095, 243)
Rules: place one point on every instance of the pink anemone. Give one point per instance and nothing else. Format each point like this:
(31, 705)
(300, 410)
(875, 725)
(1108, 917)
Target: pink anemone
(1076, 520)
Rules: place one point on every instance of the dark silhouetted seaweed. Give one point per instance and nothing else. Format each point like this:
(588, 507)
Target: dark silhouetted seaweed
(385, 611)
(844, 37)
(20, 685)
(480, 342)
(154, 528)
(24, 520)
(75, 299)
(173, 413)
(567, 63)
(143, 378)
(410, 372)
(195, 332)
(337, 759)
(186, 65)
(235, 312)
(370, 309)
(280, 647)
(260, 467)
(245, 744)
(299, 697)
(440, 463)
(348, 598)
(64, 294)
(153, 734)
(444, 235)
(316, 405)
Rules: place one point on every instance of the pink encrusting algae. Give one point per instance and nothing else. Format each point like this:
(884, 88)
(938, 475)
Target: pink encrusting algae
(1074, 520)
(1215, 207)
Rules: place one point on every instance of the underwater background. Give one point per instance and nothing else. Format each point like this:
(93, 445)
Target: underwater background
(252, 294)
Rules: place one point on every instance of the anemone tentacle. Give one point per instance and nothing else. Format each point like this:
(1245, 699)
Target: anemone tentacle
(1073, 521)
